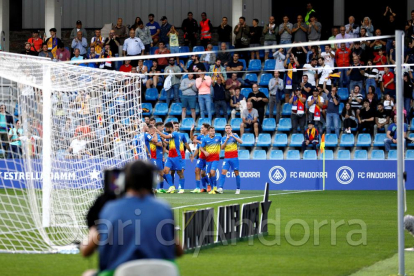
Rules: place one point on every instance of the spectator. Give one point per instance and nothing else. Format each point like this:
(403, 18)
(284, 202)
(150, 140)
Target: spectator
(242, 33)
(367, 25)
(298, 117)
(324, 71)
(380, 59)
(300, 30)
(390, 27)
(175, 80)
(343, 35)
(164, 30)
(205, 30)
(311, 71)
(377, 44)
(45, 53)
(358, 51)
(311, 138)
(372, 97)
(98, 41)
(203, 84)
(328, 56)
(349, 118)
(162, 50)
(388, 104)
(77, 147)
(342, 57)
(188, 99)
(235, 102)
(141, 69)
(135, 25)
(62, 54)
(77, 56)
(126, 67)
(190, 29)
(382, 119)
(315, 29)
(366, 119)
(335, 32)
(365, 45)
(285, 31)
(315, 104)
(209, 58)
(232, 84)
(332, 112)
(109, 65)
(224, 32)
(313, 53)
(408, 93)
(409, 27)
(270, 31)
(194, 65)
(300, 53)
(276, 95)
(15, 134)
(225, 57)
(355, 99)
(113, 42)
(356, 75)
(280, 57)
(292, 77)
(259, 100)
(371, 75)
(154, 28)
(133, 46)
(392, 135)
(53, 42)
(389, 83)
(144, 33)
(352, 29)
(79, 42)
(309, 12)
(121, 31)
(235, 66)
(6, 123)
(220, 102)
(174, 42)
(74, 32)
(255, 35)
(27, 50)
(306, 87)
(216, 70)
(250, 120)
(36, 42)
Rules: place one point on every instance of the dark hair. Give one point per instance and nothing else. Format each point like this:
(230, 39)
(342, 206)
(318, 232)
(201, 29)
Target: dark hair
(151, 14)
(372, 88)
(176, 123)
(207, 126)
(189, 13)
(211, 127)
(380, 103)
(169, 125)
(158, 124)
(139, 175)
(204, 13)
(356, 86)
(152, 119)
(225, 17)
(242, 17)
(257, 20)
(345, 112)
(140, 23)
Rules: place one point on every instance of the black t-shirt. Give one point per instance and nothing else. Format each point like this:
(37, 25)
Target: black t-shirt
(307, 94)
(256, 33)
(364, 114)
(300, 55)
(29, 53)
(112, 45)
(224, 34)
(199, 66)
(408, 90)
(235, 64)
(382, 114)
(259, 104)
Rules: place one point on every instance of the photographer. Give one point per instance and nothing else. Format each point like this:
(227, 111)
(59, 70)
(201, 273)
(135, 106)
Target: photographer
(145, 234)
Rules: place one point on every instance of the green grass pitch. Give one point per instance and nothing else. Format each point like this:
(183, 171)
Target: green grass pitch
(377, 209)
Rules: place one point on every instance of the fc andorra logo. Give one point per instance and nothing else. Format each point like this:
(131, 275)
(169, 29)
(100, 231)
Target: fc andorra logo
(277, 174)
(344, 175)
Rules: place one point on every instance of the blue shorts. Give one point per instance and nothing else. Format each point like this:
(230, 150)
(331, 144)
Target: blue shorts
(174, 163)
(201, 164)
(158, 163)
(174, 49)
(212, 166)
(232, 163)
(188, 101)
(183, 164)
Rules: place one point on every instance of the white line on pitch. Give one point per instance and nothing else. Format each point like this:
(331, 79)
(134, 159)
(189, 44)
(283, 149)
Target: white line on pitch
(242, 198)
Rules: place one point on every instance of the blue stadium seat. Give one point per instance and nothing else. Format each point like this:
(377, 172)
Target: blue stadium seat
(344, 155)
(274, 111)
(220, 124)
(269, 65)
(412, 125)
(361, 155)
(328, 155)
(158, 119)
(216, 48)
(245, 92)
(331, 140)
(264, 91)
(363, 140)
(276, 155)
(264, 140)
(264, 79)
(151, 94)
(235, 123)
(244, 64)
(285, 124)
(411, 144)
(187, 123)
(198, 49)
(293, 155)
(146, 109)
(377, 155)
(343, 93)
(341, 107)
(244, 155)
(280, 140)
(259, 155)
(251, 77)
(269, 124)
(286, 109)
(184, 49)
(171, 119)
(378, 92)
(310, 155)
(148, 63)
(248, 140)
(347, 140)
(202, 121)
(392, 155)
(152, 51)
(296, 140)
(379, 139)
(161, 109)
(176, 109)
(409, 155)
(255, 65)
(163, 96)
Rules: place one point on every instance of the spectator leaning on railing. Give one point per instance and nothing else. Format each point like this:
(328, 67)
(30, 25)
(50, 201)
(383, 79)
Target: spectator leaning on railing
(189, 97)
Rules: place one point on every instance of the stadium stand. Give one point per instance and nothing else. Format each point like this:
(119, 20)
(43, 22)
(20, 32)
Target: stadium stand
(310, 155)
(276, 155)
(259, 155)
(244, 155)
(344, 155)
(264, 140)
(293, 155)
(280, 140)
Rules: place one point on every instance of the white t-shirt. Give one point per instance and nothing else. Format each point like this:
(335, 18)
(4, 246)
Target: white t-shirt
(329, 60)
(310, 73)
(78, 146)
(312, 107)
(326, 71)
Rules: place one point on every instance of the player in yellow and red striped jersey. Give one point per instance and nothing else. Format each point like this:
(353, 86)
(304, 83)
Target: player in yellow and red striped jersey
(211, 149)
(200, 170)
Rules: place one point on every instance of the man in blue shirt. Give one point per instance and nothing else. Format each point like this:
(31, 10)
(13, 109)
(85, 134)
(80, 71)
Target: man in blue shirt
(200, 170)
(154, 29)
(392, 135)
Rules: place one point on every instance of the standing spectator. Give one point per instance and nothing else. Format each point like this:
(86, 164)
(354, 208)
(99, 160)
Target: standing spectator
(377, 44)
(390, 27)
(408, 94)
(188, 99)
(232, 84)
(280, 57)
(324, 70)
(306, 87)
(300, 30)
(121, 31)
(109, 65)
(352, 28)
(98, 41)
(209, 58)
(349, 118)
(355, 99)
(315, 29)
(174, 42)
(311, 138)
(205, 30)
(220, 102)
(358, 51)
(80, 43)
(315, 104)
(380, 59)
(312, 71)
(142, 70)
(203, 84)
(62, 54)
(144, 33)
(53, 42)
(162, 50)
(270, 31)
(409, 27)
(342, 58)
(388, 104)
(366, 118)
(332, 112)
(372, 97)
(367, 25)
(235, 102)
(292, 76)
(392, 135)
(45, 53)
(259, 100)
(78, 28)
(365, 45)
(135, 25)
(190, 29)
(309, 12)
(164, 30)
(6, 123)
(216, 70)
(328, 56)
(153, 79)
(113, 42)
(224, 32)
(175, 80)
(225, 57)
(250, 120)
(242, 32)
(126, 67)
(133, 46)
(154, 28)
(335, 32)
(276, 95)
(382, 119)
(298, 117)
(356, 75)
(235, 66)
(343, 35)
(255, 35)
(389, 83)
(35, 42)
(15, 134)
(285, 31)
(194, 65)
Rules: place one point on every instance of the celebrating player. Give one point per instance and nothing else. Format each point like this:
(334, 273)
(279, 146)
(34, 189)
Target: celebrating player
(157, 153)
(183, 145)
(211, 149)
(231, 158)
(200, 170)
